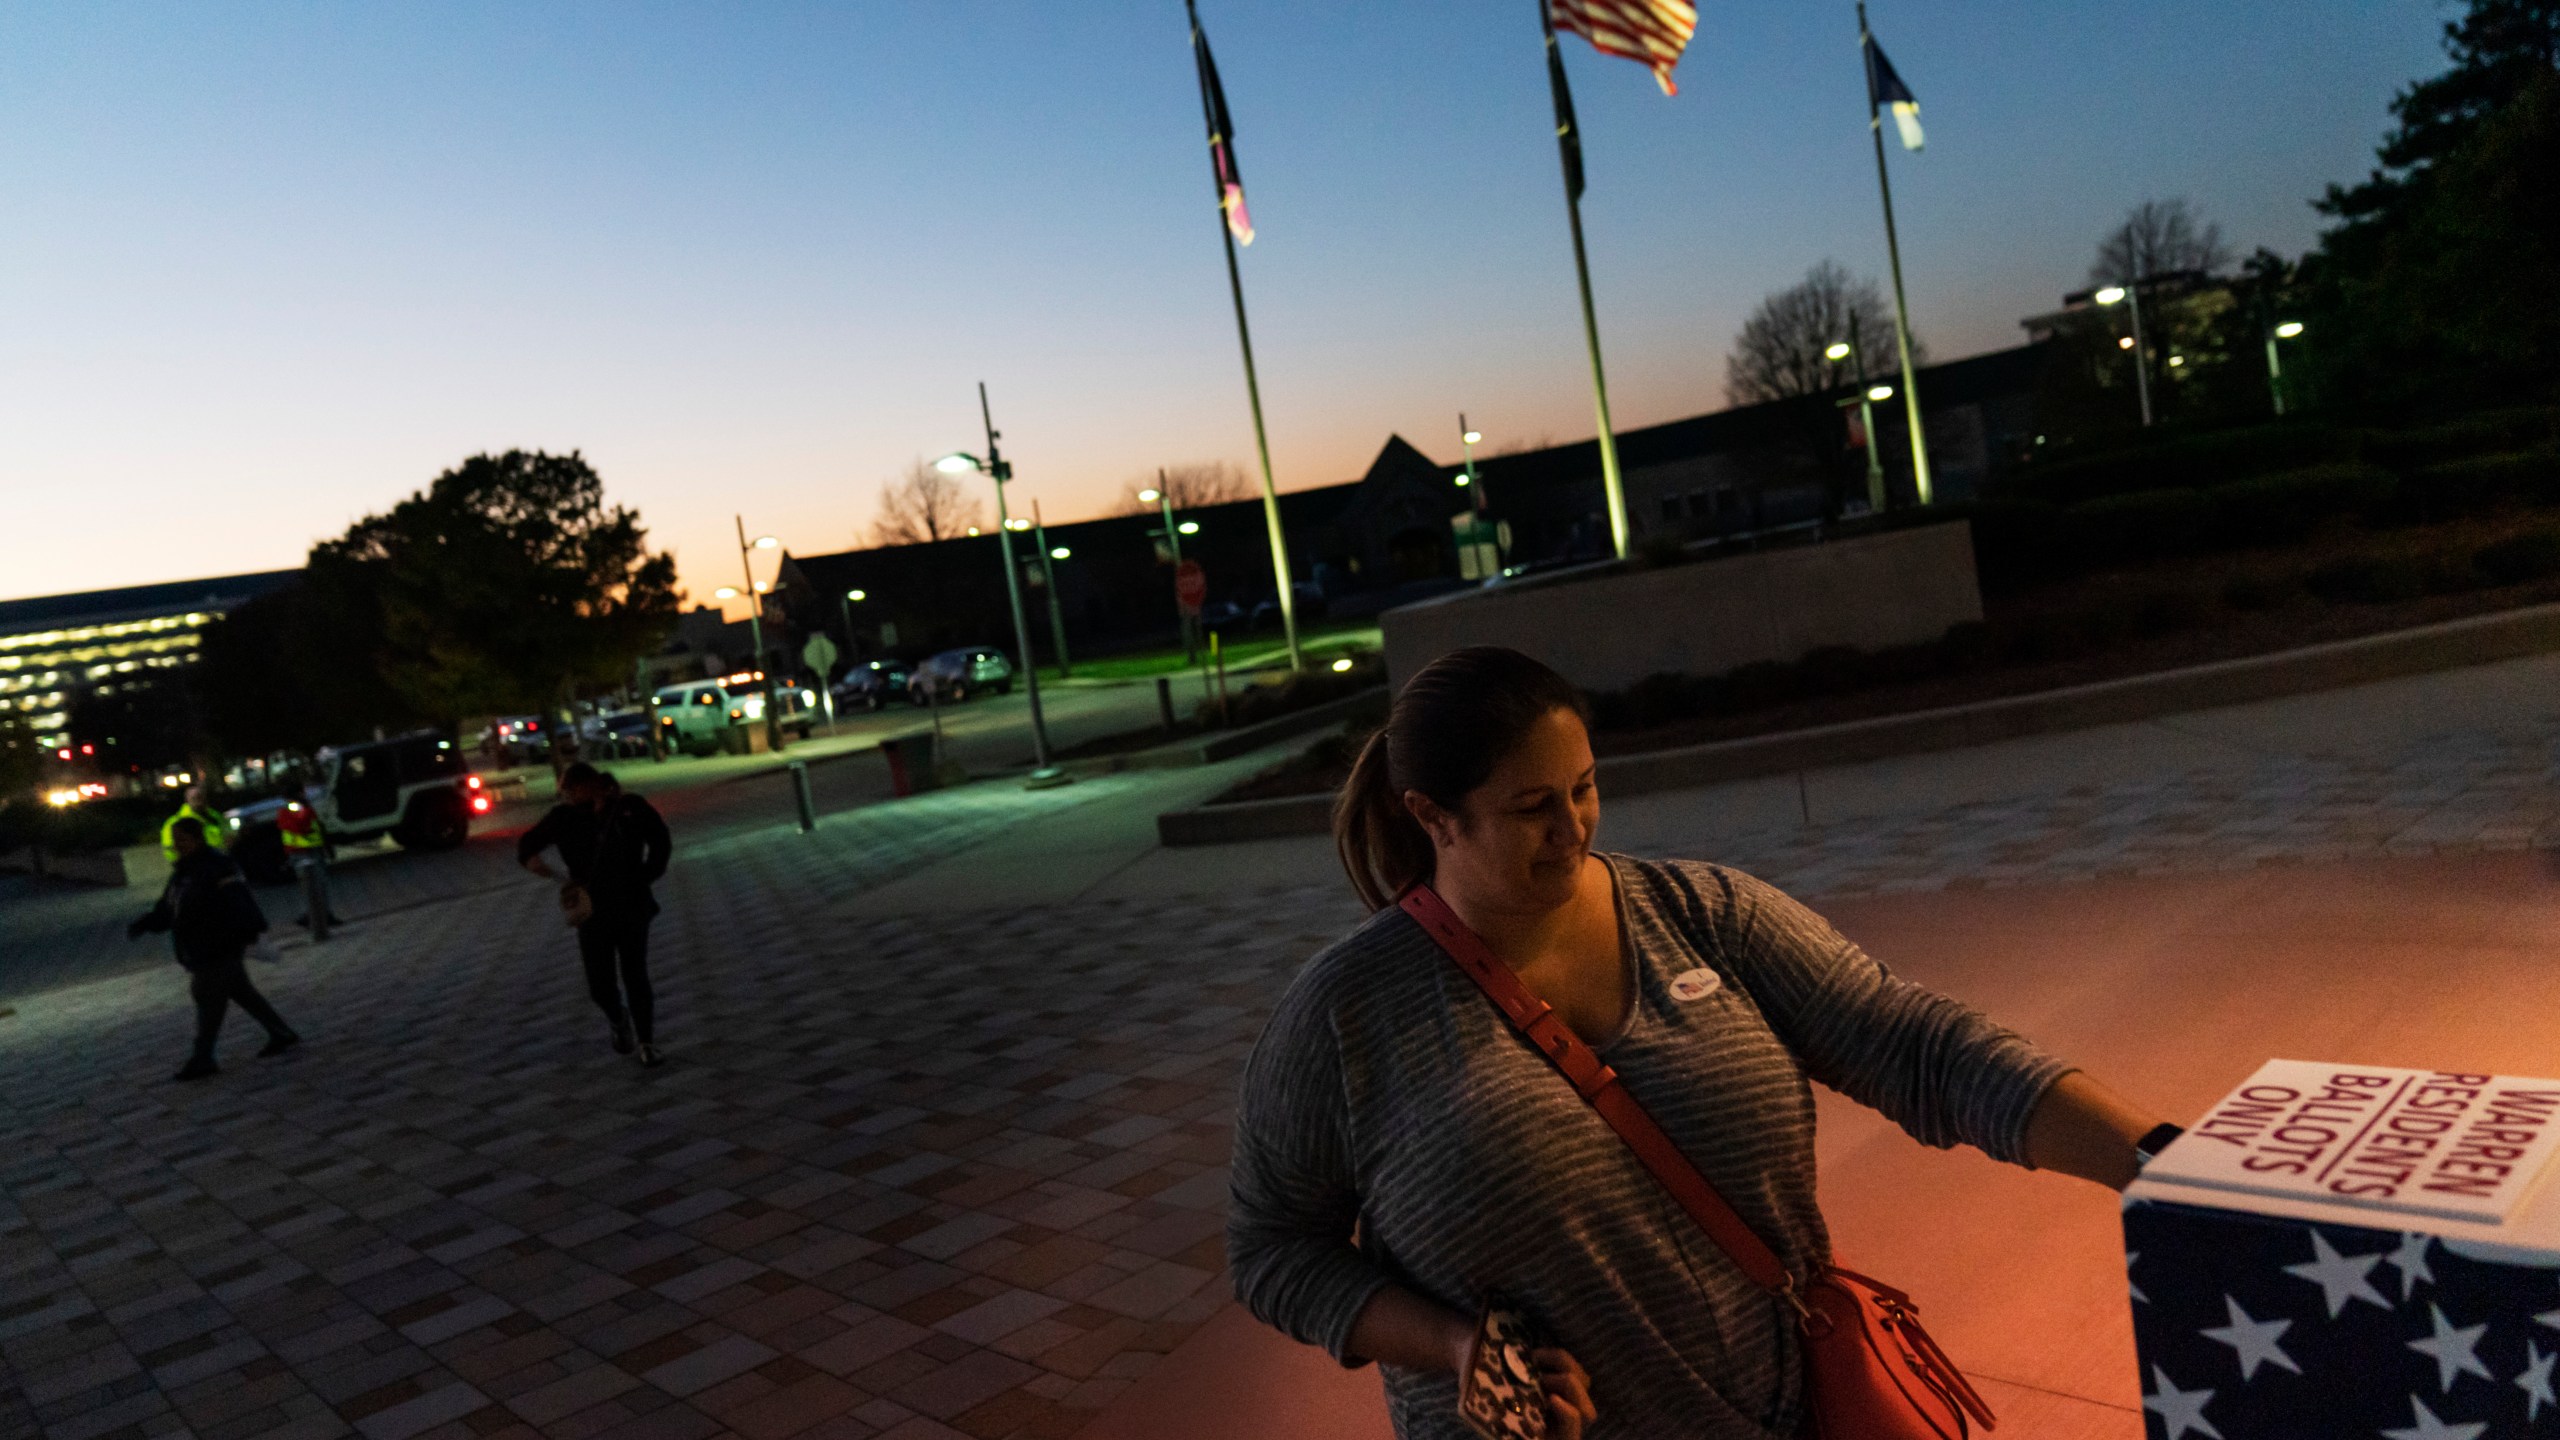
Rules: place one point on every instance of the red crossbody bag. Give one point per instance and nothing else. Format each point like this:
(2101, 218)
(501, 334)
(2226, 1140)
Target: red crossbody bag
(1871, 1372)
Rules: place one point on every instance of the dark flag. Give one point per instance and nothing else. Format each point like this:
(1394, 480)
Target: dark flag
(1884, 88)
(1222, 141)
(1568, 134)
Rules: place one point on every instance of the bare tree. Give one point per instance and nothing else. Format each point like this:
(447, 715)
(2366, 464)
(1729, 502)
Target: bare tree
(1213, 482)
(924, 505)
(2156, 238)
(1783, 350)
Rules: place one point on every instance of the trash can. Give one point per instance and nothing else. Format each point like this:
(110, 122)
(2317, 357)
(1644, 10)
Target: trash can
(910, 757)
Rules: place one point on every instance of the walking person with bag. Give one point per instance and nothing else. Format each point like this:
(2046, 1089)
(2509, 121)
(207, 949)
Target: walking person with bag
(1538, 1136)
(212, 919)
(616, 847)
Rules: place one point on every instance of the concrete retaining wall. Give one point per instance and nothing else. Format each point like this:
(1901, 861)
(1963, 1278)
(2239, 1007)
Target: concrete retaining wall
(1609, 631)
(2480, 640)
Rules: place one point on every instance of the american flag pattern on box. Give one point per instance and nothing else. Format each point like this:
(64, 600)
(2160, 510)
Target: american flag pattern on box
(2265, 1327)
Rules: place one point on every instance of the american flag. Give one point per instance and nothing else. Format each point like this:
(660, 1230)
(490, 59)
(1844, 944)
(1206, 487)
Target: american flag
(2253, 1327)
(1650, 32)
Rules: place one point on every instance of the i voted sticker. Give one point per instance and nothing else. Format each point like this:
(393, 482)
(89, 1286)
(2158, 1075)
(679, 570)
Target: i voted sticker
(1696, 984)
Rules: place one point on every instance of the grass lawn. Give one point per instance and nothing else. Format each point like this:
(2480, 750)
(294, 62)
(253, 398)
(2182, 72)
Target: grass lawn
(1321, 639)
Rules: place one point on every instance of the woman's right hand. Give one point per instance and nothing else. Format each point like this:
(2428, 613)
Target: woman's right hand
(1568, 1388)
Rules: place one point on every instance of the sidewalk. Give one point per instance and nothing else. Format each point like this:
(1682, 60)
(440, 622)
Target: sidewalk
(940, 1147)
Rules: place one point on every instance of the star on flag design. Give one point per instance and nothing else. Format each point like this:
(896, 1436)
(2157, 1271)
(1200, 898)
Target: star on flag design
(2254, 1328)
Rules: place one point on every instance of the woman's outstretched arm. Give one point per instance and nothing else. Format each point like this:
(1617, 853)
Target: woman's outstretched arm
(2083, 1128)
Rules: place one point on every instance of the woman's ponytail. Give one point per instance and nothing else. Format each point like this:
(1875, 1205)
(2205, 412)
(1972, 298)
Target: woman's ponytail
(1382, 845)
(1449, 726)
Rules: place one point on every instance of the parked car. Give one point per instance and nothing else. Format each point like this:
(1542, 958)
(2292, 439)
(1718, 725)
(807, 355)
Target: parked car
(618, 733)
(955, 675)
(871, 685)
(1310, 602)
(693, 716)
(518, 739)
(414, 788)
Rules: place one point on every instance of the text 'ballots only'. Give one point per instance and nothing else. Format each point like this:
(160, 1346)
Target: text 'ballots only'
(2423, 1142)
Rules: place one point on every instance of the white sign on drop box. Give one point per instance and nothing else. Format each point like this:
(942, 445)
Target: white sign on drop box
(2420, 1142)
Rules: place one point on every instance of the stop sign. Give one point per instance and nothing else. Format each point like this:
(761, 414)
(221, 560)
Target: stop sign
(1190, 584)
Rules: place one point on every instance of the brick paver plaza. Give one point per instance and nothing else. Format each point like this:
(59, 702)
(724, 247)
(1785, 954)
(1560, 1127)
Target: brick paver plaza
(957, 1173)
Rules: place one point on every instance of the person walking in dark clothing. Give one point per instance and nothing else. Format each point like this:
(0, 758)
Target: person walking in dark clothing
(616, 847)
(211, 918)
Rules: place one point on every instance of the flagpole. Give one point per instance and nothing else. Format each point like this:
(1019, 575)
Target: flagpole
(1252, 390)
(1609, 482)
(1262, 449)
(1893, 255)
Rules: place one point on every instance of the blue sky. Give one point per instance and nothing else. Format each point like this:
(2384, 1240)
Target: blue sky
(265, 268)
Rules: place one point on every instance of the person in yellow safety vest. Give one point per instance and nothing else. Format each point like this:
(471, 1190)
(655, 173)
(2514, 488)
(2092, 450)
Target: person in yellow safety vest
(192, 807)
(307, 848)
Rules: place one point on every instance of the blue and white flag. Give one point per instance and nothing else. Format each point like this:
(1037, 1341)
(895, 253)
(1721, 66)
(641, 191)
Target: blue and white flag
(2253, 1327)
(1885, 88)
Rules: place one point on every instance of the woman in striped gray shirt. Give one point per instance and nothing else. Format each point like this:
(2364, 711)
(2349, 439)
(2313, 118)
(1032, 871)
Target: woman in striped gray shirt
(1402, 1154)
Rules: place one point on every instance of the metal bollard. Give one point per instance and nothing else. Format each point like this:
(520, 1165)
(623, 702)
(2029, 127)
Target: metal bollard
(800, 791)
(315, 898)
(1164, 700)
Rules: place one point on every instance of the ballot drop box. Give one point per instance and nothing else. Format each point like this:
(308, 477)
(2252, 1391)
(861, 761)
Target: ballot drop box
(2342, 1251)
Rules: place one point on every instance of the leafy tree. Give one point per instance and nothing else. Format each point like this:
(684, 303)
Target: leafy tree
(21, 760)
(2434, 287)
(924, 505)
(143, 722)
(295, 669)
(1212, 482)
(1782, 351)
(506, 585)
(2500, 49)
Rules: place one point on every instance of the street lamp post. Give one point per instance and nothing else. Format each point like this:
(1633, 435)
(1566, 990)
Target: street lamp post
(1868, 395)
(1467, 438)
(1049, 582)
(2275, 367)
(844, 603)
(1162, 498)
(995, 468)
(2131, 295)
(755, 627)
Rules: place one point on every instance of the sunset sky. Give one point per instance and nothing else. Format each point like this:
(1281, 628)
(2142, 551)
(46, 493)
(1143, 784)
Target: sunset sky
(265, 268)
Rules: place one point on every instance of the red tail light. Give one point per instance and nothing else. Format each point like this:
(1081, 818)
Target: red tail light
(479, 804)
(471, 780)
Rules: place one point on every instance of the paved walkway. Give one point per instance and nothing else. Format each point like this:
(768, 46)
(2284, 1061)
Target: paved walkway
(939, 1149)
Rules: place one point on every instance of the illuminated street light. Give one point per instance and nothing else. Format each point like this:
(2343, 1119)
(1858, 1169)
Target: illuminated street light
(1017, 523)
(1188, 527)
(857, 595)
(1837, 350)
(2287, 330)
(1059, 552)
(1160, 495)
(2120, 294)
(1043, 773)
(726, 592)
(1879, 393)
(1472, 437)
(755, 627)
(2124, 342)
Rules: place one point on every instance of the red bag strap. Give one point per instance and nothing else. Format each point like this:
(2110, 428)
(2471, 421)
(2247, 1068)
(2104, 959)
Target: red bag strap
(1598, 1085)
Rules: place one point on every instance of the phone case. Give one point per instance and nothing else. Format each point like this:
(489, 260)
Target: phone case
(1499, 1397)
